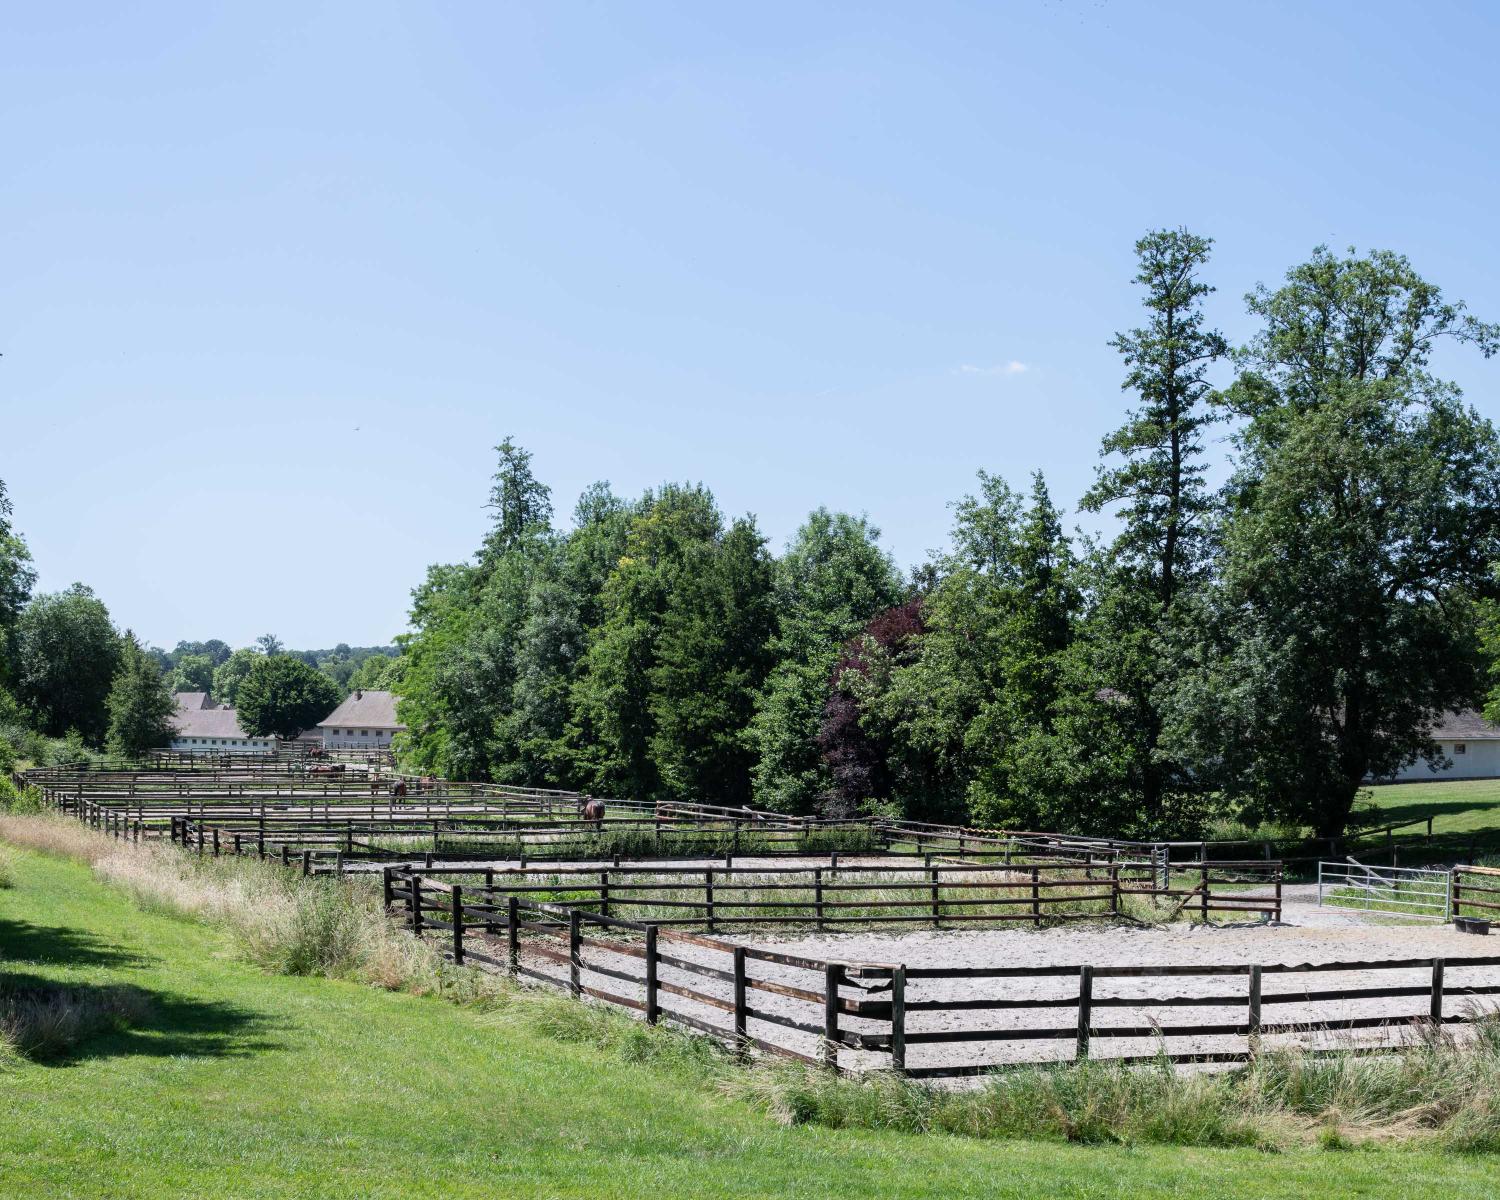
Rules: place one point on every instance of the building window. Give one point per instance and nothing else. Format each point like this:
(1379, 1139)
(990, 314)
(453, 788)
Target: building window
(1460, 748)
(364, 733)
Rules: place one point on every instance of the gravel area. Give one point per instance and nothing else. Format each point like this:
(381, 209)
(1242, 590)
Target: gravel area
(1308, 935)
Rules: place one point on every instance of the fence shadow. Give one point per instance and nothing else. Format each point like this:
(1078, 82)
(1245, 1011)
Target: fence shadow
(57, 945)
(121, 1020)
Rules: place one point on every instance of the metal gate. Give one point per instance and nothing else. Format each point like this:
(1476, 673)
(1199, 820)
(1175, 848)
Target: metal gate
(1400, 891)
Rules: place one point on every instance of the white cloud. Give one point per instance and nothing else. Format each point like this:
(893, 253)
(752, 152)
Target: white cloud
(1013, 367)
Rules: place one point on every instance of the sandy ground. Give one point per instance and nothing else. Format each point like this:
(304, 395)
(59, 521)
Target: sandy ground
(1308, 935)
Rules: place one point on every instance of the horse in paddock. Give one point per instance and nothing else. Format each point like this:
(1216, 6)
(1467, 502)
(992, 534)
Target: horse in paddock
(591, 812)
(398, 788)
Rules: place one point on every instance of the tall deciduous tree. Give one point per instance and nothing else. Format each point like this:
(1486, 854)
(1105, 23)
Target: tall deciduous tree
(66, 654)
(283, 696)
(1365, 520)
(711, 660)
(232, 672)
(832, 579)
(140, 704)
(193, 673)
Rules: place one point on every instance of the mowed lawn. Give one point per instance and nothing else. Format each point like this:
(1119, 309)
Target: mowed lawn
(245, 1084)
(1465, 814)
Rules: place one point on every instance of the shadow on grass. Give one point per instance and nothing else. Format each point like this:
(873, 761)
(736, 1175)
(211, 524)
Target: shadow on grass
(1416, 810)
(120, 1020)
(56, 945)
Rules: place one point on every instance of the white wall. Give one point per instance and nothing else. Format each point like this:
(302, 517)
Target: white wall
(344, 735)
(219, 745)
(1481, 760)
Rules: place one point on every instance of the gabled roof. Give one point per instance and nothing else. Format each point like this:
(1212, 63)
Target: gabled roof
(365, 710)
(208, 722)
(192, 701)
(1467, 725)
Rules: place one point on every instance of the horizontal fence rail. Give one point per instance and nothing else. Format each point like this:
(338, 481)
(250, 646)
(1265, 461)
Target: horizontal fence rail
(934, 1022)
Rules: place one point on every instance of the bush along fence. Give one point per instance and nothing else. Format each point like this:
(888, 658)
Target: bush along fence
(934, 1021)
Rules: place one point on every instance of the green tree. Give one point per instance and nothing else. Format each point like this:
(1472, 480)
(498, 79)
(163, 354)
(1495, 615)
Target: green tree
(193, 673)
(231, 673)
(962, 715)
(66, 652)
(522, 504)
(16, 580)
(1103, 757)
(613, 724)
(833, 578)
(1365, 520)
(712, 657)
(283, 696)
(564, 606)
(269, 644)
(140, 704)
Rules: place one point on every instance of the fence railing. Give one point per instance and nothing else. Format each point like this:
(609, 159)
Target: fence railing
(1476, 892)
(936, 1021)
(1403, 891)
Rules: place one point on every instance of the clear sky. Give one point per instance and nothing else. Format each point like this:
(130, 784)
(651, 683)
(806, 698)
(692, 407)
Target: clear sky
(274, 278)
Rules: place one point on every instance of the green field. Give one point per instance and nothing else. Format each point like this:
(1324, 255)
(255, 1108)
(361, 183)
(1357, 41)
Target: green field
(247, 1084)
(1465, 817)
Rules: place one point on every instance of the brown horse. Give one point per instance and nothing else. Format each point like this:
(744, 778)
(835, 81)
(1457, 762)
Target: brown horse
(398, 788)
(591, 811)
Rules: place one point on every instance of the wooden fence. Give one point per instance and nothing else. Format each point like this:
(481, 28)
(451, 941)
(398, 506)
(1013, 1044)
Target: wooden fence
(947, 895)
(1476, 892)
(928, 1021)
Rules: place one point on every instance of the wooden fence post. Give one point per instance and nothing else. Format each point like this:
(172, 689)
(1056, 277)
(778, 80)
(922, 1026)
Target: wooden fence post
(1253, 1016)
(653, 1007)
(937, 905)
(1036, 895)
(741, 1017)
(818, 896)
(414, 899)
(898, 1018)
(604, 893)
(833, 974)
(708, 898)
(1203, 900)
(458, 925)
(385, 884)
(575, 953)
(513, 932)
(1436, 1009)
(1085, 1010)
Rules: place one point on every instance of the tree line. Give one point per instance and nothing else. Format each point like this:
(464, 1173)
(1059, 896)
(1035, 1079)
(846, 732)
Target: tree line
(1253, 650)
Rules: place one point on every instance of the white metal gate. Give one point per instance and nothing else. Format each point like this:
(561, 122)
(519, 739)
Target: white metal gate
(1400, 891)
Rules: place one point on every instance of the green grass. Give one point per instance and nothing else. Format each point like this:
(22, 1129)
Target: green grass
(238, 1083)
(1465, 818)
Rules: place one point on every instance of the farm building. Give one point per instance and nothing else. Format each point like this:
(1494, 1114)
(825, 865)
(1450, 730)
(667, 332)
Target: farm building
(203, 727)
(1469, 743)
(366, 718)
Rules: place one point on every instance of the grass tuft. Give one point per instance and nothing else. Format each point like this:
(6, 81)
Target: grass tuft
(41, 1023)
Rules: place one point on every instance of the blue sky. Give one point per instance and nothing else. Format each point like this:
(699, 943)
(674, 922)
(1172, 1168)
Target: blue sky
(277, 277)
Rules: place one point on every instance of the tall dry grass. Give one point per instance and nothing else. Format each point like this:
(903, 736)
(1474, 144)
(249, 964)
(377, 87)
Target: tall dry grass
(48, 1021)
(276, 919)
(1442, 1090)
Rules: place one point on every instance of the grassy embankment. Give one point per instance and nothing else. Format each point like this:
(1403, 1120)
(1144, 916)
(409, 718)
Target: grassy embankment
(221, 1079)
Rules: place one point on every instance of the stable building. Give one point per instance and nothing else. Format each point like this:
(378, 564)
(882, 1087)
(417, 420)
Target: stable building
(1469, 743)
(199, 726)
(365, 719)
